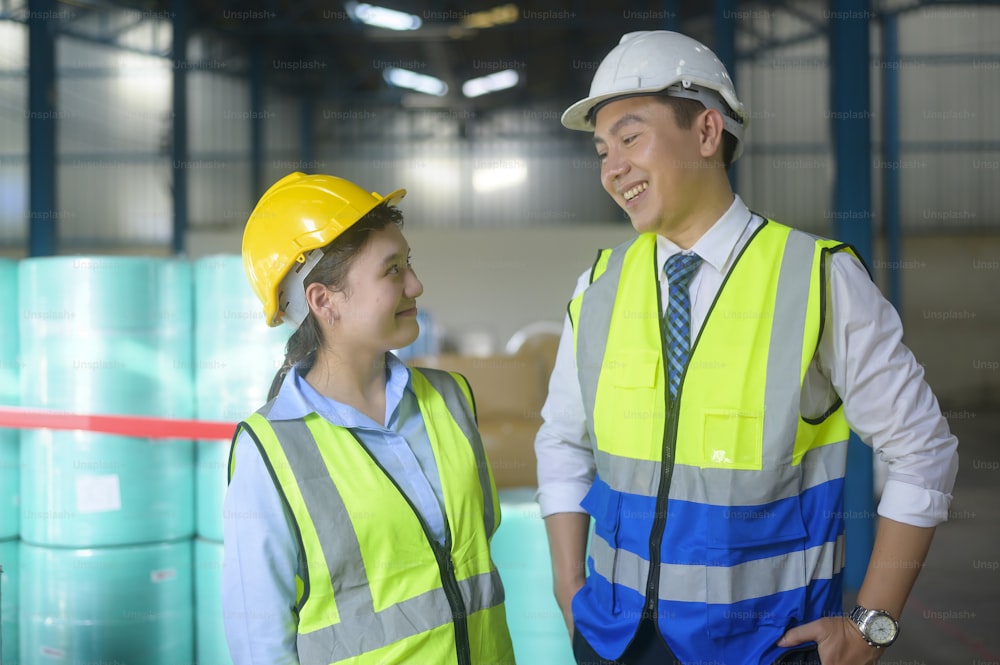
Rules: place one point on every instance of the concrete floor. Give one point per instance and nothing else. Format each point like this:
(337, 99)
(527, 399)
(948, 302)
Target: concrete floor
(953, 615)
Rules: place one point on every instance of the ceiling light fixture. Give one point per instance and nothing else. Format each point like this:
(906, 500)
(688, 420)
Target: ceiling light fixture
(500, 15)
(404, 78)
(494, 82)
(383, 17)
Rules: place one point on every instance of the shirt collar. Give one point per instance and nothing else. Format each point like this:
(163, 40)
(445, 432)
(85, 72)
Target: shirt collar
(297, 399)
(716, 246)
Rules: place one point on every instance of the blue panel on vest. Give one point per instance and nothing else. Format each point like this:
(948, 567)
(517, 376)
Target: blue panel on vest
(738, 534)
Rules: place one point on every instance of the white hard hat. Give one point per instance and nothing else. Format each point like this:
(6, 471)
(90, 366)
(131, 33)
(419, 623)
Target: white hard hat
(660, 61)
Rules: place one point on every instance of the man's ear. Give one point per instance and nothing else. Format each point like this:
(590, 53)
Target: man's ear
(323, 302)
(710, 128)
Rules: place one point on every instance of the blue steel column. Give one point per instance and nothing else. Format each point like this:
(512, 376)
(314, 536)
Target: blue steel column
(256, 120)
(851, 131)
(179, 149)
(307, 132)
(42, 227)
(890, 156)
(725, 48)
(671, 13)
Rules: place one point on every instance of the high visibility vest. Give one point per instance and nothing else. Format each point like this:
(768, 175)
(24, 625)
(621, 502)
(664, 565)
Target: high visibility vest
(377, 586)
(734, 496)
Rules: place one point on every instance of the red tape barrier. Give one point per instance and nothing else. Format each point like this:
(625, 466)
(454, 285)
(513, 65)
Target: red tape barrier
(137, 426)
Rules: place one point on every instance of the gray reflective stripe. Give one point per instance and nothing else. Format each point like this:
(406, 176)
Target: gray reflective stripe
(461, 412)
(626, 474)
(335, 532)
(357, 634)
(718, 486)
(481, 592)
(595, 318)
(783, 389)
(721, 584)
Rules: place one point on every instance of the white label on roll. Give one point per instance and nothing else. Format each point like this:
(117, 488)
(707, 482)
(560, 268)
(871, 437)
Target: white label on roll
(98, 494)
(163, 575)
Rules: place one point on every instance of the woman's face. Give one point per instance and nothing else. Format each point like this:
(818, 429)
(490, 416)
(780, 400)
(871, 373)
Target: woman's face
(377, 310)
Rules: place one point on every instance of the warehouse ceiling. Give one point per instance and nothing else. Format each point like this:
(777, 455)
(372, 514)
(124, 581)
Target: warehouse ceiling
(320, 48)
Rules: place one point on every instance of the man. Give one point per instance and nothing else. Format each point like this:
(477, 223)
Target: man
(700, 405)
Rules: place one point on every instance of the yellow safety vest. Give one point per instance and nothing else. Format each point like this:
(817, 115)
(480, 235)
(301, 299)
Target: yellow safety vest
(378, 587)
(734, 496)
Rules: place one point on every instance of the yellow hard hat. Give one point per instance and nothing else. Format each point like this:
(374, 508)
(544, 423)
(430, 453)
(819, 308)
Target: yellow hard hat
(296, 216)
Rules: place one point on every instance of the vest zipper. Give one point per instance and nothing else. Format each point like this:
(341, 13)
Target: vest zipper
(449, 582)
(669, 445)
(446, 566)
(660, 514)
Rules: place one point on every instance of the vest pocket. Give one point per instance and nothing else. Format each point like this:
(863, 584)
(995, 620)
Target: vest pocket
(756, 577)
(631, 407)
(732, 439)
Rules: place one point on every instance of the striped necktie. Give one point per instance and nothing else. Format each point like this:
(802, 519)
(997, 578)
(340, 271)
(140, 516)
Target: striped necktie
(680, 269)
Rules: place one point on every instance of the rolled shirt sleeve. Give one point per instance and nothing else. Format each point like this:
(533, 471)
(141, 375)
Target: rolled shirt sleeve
(887, 402)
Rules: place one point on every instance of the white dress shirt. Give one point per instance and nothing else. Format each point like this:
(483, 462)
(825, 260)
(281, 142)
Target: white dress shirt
(861, 354)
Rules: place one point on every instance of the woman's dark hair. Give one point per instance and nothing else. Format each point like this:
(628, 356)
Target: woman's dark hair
(331, 271)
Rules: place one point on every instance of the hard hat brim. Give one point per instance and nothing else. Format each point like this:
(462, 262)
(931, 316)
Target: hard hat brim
(575, 117)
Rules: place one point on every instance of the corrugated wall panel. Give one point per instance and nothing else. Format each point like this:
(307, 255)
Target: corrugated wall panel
(114, 127)
(13, 133)
(219, 124)
(519, 168)
(787, 168)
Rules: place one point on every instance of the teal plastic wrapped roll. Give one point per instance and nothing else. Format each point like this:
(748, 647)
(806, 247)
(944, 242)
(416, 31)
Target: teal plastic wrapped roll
(10, 450)
(106, 335)
(93, 490)
(236, 353)
(130, 605)
(210, 637)
(212, 461)
(236, 357)
(521, 553)
(9, 561)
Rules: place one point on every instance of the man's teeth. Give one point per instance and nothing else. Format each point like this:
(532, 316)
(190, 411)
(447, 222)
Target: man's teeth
(635, 191)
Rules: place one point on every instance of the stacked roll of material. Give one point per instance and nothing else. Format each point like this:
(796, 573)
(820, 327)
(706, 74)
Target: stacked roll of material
(521, 553)
(106, 335)
(107, 521)
(10, 562)
(128, 604)
(210, 643)
(236, 357)
(10, 450)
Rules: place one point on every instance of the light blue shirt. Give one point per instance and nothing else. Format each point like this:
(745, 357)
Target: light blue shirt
(261, 549)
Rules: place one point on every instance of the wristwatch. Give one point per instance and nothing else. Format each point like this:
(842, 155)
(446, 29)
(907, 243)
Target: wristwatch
(877, 627)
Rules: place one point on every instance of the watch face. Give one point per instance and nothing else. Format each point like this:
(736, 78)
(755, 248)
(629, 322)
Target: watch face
(881, 629)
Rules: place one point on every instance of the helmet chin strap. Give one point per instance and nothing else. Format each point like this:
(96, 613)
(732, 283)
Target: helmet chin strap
(292, 293)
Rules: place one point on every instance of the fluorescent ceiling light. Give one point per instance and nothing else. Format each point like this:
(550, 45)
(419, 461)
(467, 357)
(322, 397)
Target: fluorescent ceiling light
(506, 173)
(508, 78)
(383, 17)
(404, 78)
(489, 18)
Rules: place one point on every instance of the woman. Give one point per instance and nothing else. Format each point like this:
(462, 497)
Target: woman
(360, 505)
